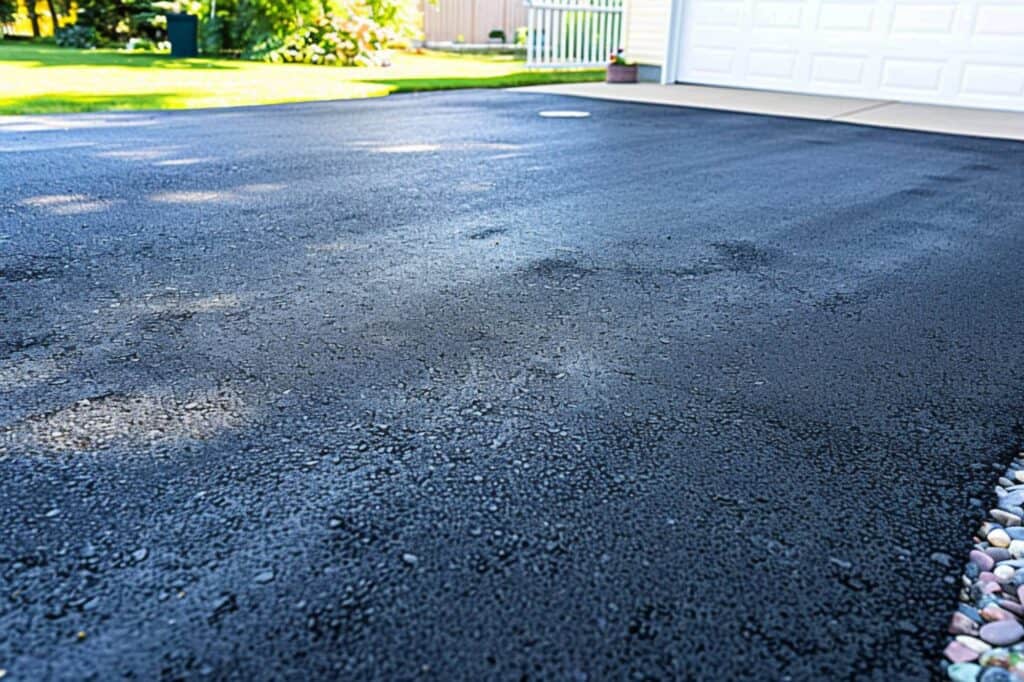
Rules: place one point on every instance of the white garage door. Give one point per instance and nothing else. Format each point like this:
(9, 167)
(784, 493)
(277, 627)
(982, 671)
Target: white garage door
(962, 52)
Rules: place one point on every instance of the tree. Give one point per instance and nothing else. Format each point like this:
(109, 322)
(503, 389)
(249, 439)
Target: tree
(316, 31)
(8, 8)
(118, 20)
(54, 16)
(30, 7)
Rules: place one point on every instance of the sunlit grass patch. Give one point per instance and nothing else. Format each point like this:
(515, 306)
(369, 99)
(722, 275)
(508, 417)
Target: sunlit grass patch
(41, 79)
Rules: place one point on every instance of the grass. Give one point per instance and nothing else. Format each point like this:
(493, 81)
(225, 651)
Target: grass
(42, 79)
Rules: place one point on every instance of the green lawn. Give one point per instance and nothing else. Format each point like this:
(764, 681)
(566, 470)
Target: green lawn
(39, 79)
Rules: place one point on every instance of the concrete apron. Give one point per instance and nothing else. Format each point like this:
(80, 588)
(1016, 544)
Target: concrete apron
(1006, 125)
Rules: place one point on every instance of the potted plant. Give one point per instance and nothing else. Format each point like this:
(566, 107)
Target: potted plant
(620, 70)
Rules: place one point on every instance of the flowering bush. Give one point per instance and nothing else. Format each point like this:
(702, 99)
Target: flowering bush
(618, 58)
(342, 32)
(333, 40)
(147, 45)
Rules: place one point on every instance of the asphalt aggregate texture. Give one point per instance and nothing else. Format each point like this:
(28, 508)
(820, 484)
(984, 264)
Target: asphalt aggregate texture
(434, 387)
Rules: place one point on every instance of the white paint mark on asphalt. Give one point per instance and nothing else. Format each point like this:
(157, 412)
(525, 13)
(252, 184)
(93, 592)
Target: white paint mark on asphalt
(408, 148)
(565, 114)
(182, 162)
(186, 197)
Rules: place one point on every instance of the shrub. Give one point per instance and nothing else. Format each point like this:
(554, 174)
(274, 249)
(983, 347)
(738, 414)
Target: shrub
(497, 34)
(77, 36)
(211, 35)
(116, 21)
(332, 40)
(344, 32)
(400, 17)
(347, 32)
(141, 45)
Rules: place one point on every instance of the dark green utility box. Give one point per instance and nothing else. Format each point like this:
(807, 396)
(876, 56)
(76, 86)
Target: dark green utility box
(183, 32)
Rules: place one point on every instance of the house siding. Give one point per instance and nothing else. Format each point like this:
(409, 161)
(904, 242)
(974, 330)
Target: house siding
(471, 20)
(647, 30)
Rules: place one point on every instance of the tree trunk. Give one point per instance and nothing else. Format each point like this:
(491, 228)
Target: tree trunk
(30, 5)
(53, 15)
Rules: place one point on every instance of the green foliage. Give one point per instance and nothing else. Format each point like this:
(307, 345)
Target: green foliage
(141, 45)
(348, 32)
(619, 58)
(8, 8)
(333, 40)
(400, 17)
(78, 36)
(522, 35)
(115, 21)
(344, 32)
(497, 34)
(211, 35)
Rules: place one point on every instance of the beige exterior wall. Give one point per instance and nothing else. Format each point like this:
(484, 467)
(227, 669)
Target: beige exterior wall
(646, 30)
(472, 19)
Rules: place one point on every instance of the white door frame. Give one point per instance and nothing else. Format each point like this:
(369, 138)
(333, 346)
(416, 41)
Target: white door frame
(670, 64)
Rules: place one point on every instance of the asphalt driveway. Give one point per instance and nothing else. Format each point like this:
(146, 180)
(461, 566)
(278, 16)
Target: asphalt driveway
(435, 387)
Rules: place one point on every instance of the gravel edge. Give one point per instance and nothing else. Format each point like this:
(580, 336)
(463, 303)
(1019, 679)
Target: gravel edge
(987, 643)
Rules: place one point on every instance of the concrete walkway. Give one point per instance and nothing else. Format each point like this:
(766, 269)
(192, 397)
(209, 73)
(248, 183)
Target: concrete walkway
(885, 113)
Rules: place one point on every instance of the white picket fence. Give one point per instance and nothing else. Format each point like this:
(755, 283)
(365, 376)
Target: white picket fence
(572, 33)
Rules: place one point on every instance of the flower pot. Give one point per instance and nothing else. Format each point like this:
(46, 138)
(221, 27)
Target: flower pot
(620, 73)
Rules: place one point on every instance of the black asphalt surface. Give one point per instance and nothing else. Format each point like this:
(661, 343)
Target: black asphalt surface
(433, 387)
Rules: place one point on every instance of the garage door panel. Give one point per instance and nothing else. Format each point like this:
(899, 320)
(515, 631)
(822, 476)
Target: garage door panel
(832, 70)
(999, 20)
(772, 64)
(926, 20)
(992, 80)
(962, 52)
(779, 15)
(712, 61)
(835, 15)
(719, 14)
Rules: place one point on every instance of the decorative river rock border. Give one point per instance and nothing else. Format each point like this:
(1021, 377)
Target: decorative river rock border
(988, 626)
